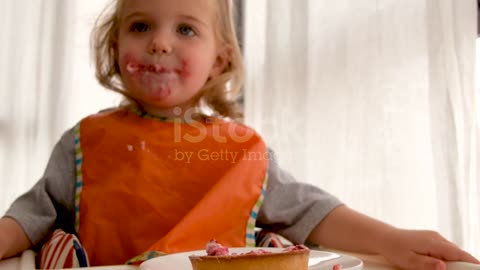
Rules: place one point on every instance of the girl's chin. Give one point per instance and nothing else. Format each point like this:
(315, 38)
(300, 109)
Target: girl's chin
(158, 94)
(158, 101)
(161, 95)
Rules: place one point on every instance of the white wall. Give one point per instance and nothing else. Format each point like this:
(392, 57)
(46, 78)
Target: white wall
(477, 76)
(30, 123)
(86, 95)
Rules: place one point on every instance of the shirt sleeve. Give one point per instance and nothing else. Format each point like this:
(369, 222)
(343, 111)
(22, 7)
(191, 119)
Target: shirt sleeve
(49, 204)
(290, 208)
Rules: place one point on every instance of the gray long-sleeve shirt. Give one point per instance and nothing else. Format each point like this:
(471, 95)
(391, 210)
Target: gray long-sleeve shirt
(290, 208)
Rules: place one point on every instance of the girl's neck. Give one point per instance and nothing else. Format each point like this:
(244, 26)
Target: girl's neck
(174, 112)
(188, 114)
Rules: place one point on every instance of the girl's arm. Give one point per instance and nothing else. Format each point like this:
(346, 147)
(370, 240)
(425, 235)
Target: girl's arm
(13, 239)
(50, 202)
(346, 229)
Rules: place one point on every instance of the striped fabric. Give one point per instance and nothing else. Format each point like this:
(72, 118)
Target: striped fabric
(79, 176)
(63, 250)
(265, 238)
(145, 256)
(250, 241)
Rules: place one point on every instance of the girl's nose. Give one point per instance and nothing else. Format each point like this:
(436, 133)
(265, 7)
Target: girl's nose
(161, 44)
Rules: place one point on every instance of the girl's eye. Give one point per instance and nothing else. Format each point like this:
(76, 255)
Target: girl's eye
(139, 27)
(186, 30)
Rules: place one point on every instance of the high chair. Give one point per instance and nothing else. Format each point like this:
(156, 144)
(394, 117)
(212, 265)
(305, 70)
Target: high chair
(26, 261)
(57, 260)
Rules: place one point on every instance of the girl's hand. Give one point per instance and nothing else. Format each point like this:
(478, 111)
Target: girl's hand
(349, 230)
(421, 250)
(13, 239)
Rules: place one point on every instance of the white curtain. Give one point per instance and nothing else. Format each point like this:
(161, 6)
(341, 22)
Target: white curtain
(33, 51)
(373, 101)
(46, 84)
(370, 100)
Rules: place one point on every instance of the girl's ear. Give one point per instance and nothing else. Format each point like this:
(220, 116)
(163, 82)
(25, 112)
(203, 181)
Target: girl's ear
(221, 62)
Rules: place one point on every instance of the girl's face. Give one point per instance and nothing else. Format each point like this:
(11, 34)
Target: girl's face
(167, 51)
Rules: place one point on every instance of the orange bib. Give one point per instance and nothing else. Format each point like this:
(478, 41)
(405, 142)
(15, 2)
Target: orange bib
(150, 185)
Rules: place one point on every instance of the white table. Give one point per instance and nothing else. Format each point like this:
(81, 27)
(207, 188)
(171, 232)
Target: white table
(27, 262)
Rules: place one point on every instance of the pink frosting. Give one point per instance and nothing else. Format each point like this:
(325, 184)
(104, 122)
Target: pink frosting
(337, 267)
(216, 249)
(296, 247)
(256, 252)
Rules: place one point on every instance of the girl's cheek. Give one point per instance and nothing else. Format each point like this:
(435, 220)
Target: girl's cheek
(184, 69)
(129, 58)
(127, 63)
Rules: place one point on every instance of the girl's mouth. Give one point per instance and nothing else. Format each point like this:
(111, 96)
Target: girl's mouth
(154, 68)
(134, 68)
(156, 80)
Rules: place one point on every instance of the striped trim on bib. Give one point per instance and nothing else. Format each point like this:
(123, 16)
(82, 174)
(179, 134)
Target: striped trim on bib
(78, 173)
(250, 241)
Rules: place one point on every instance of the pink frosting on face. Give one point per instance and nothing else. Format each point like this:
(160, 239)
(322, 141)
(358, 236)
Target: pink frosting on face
(184, 70)
(157, 80)
(136, 67)
(153, 68)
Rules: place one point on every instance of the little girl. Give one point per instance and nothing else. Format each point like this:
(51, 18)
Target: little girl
(171, 169)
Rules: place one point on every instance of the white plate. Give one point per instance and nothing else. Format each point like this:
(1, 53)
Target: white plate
(319, 260)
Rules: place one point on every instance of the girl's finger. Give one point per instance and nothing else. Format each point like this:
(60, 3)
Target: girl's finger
(447, 251)
(422, 262)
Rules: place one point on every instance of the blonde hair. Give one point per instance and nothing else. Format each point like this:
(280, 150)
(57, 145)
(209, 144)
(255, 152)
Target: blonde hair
(219, 94)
